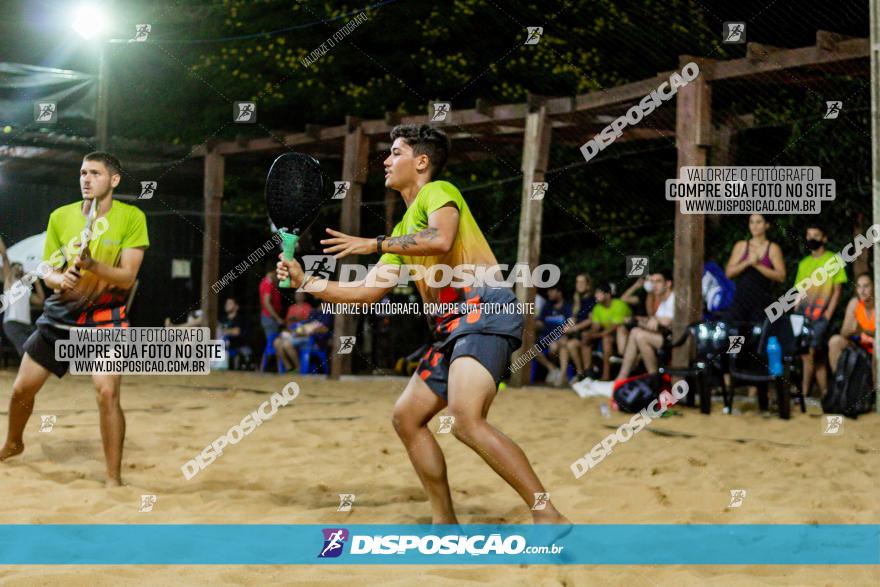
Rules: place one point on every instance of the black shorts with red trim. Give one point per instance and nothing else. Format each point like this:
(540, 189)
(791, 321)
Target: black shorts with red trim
(492, 351)
(40, 346)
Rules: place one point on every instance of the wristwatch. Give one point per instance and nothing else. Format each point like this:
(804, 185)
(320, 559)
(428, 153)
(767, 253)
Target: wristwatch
(379, 240)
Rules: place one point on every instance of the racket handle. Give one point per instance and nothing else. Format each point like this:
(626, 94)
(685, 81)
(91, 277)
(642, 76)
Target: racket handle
(288, 246)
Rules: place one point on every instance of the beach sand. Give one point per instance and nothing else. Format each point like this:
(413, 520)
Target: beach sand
(336, 437)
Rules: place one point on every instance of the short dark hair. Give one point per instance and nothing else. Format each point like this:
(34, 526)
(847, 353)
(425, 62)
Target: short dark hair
(110, 161)
(425, 140)
(817, 225)
(859, 276)
(666, 273)
(603, 286)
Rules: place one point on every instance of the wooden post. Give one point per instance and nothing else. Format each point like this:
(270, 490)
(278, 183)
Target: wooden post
(875, 165)
(536, 151)
(355, 159)
(214, 169)
(693, 130)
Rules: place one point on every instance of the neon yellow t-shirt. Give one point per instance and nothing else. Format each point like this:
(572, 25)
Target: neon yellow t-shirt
(819, 296)
(470, 246)
(615, 314)
(93, 302)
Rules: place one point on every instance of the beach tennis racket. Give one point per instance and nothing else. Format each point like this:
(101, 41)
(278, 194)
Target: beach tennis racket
(88, 230)
(294, 195)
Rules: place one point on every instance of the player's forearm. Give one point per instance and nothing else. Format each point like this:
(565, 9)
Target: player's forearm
(116, 276)
(427, 242)
(342, 293)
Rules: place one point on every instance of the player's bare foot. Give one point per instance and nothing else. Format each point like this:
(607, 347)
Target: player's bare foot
(10, 450)
(549, 517)
(112, 483)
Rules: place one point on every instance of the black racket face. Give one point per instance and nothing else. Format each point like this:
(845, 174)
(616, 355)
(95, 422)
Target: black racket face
(294, 191)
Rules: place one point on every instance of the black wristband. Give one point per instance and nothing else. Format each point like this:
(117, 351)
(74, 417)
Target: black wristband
(379, 240)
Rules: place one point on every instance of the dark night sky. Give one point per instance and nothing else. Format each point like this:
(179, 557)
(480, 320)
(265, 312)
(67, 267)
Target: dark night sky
(38, 31)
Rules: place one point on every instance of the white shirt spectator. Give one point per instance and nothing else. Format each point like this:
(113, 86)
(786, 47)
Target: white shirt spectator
(666, 309)
(20, 309)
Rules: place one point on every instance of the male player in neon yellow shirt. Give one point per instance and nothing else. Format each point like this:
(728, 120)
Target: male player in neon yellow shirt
(91, 287)
(472, 349)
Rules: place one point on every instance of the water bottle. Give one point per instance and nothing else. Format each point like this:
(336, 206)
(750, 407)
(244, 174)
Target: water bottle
(774, 356)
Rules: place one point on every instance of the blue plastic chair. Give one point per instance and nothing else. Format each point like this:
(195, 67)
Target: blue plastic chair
(269, 351)
(309, 350)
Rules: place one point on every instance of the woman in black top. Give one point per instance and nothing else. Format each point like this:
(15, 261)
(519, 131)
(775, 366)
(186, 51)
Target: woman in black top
(755, 264)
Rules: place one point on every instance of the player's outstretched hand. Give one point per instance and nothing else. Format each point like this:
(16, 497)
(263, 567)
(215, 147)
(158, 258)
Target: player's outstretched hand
(345, 244)
(289, 268)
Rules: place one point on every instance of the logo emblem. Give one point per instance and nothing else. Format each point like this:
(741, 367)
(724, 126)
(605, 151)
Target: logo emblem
(538, 190)
(346, 344)
(321, 266)
(833, 109)
(833, 425)
(636, 266)
(446, 423)
(737, 496)
(734, 32)
(148, 188)
(735, 344)
(334, 540)
(541, 501)
(441, 111)
(46, 112)
(533, 35)
(47, 423)
(244, 113)
(346, 500)
(147, 503)
(340, 189)
(141, 32)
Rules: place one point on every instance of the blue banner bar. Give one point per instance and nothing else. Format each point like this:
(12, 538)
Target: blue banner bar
(655, 544)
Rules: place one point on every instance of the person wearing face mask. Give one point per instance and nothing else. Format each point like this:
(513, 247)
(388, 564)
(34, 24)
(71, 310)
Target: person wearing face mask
(756, 264)
(818, 304)
(17, 325)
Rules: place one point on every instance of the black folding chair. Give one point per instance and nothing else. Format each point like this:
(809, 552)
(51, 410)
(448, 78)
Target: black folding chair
(710, 341)
(751, 364)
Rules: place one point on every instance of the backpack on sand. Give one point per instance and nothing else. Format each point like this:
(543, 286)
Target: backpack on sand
(851, 392)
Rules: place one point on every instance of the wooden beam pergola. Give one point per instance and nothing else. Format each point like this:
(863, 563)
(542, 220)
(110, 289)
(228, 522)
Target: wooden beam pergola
(354, 170)
(693, 115)
(501, 123)
(536, 152)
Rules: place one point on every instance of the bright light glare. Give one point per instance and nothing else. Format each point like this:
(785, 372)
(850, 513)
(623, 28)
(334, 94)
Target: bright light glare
(89, 21)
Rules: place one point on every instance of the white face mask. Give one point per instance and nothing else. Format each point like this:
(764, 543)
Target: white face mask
(649, 287)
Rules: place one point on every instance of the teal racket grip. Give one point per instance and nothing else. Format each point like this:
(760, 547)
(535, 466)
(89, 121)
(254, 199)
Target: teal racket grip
(288, 246)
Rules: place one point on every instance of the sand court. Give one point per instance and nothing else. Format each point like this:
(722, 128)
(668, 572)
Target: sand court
(337, 437)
